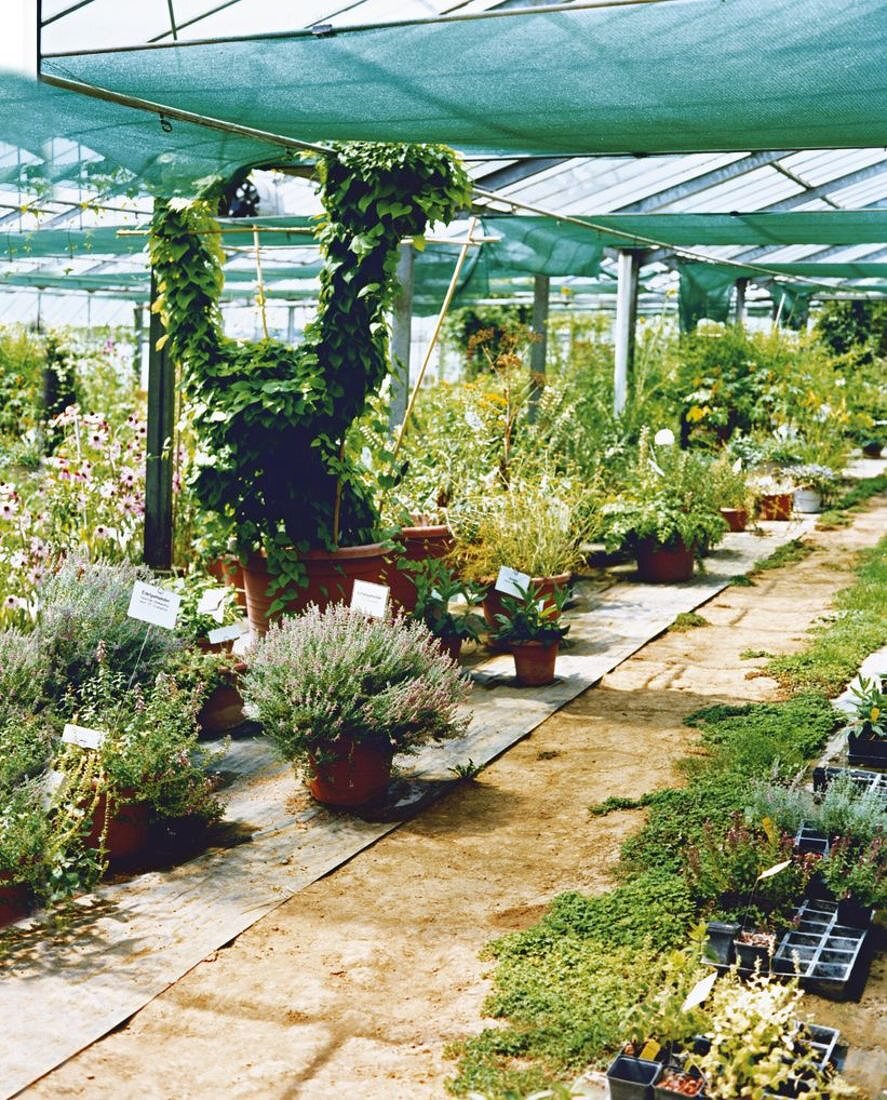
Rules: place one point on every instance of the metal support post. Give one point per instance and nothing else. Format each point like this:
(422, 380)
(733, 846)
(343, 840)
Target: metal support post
(401, 337)
(159, 457)
(539, 349)
(740, 313)
(626, 317)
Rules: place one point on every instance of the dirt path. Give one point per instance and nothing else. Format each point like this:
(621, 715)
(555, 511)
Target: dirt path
(353, 987)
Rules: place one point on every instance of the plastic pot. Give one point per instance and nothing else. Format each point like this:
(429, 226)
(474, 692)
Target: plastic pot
(632, 1078)
(545, 587)
(222, 711)
(128, 830)
(15, 901)
(808, 501)
(420, 543)
(736, 518)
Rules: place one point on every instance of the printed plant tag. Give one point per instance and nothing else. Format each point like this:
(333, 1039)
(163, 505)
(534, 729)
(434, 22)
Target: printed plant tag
(211, 603)
(371, 599)
(650, 1049)
(510, 581)
(83, 736)
(699, 993)
(154, 605)
(227, 633)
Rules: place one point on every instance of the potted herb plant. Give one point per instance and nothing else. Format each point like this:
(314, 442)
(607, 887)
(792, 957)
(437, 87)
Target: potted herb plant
(867, 730)
(664, 513)
(813, 482)
(729, 485)
(530, 627)
(24, 829)
(445, 604)
(856, 874)
(775, 495)
(313, 515)
(340, 693)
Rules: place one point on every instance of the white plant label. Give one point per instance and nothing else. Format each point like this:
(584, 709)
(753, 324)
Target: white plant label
(511, 582)
(699, 993)
(83, 736)
(49, 783)
(774, 870)
(211, 603)
(227, 633)
(154, 605)
(371, 599)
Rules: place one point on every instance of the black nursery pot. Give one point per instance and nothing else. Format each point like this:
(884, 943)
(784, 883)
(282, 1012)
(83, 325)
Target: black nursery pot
(719, 942)
(632, 1078)
(750, 954)
(853, 914)
(867, 750)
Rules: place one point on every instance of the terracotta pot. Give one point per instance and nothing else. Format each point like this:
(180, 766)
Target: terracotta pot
(451, 646)
(664, 564)
(545, 586)
(736, 518)
(128, 834)
(222, 711)
(229, 571)
(776, 506)
(15, 901)
(420, 543)
(358, 773)
(331, 576)
(534, 662)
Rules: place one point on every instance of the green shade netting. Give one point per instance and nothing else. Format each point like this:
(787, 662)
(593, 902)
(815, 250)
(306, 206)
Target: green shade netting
(66, 138)
(704, 292)
(683, 76)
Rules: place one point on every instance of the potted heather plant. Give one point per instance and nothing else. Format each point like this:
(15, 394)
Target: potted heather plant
(531, 629)
(340, 693)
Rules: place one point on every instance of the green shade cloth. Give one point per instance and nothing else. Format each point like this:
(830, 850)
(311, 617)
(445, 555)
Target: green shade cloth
(703, 292)
(110, 148)
(682, 76)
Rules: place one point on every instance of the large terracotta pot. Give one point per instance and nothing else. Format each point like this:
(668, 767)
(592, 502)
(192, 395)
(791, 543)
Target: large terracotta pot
(420, 542)
(128, 835)
(534, 662)
(545, 586)
(736, 518)
(331, 576)
(229, 571)
(15, 901)
(776, 506)
(659, 564)
(359, 772)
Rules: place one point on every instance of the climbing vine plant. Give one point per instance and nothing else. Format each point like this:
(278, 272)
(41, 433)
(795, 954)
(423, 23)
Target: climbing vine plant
(270, 419)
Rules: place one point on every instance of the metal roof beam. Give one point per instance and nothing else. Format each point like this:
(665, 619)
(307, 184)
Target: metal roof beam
(823, 190)
(516, 173)
(696, 184)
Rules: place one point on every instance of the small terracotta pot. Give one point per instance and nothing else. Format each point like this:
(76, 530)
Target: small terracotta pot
(664, 564)
(534, 662)
(736, 518)
(222, 711)
(545, 586)
(451, 646)
(358, 773)
(331, 577)
(15, 901)
(128, 834)
(420, 542)
(776, 506)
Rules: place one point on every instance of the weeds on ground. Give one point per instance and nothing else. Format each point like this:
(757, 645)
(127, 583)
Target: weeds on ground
(753, 654)
(841, 512)
(790, 553)
(687, 620)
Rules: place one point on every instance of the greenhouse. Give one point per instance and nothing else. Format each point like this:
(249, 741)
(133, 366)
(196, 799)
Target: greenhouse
(443, 549)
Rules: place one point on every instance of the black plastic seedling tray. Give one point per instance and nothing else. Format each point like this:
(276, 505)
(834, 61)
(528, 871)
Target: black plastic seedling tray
(808, 839)
(863, 777)
(830, 959)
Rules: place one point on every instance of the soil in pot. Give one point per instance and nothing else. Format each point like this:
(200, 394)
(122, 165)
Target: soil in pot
(331, 577)
(534, 662)
(776, 506)
(128, 833)
(736, 518)
(544, 586)
(353, 773)
(677, 1082)
(15, 901)
(659, 564)
(753, 948)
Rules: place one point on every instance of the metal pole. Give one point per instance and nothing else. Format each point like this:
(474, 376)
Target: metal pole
(138, 328)
(158, 459)
(541, 289)
(626, 317)
(401, 338)
(741, 287)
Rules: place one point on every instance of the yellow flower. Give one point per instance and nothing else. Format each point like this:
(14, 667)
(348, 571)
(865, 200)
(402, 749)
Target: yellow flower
(697, 413)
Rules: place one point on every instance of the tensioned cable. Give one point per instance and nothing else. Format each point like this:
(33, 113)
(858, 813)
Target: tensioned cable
(678, 250)
(326, 30)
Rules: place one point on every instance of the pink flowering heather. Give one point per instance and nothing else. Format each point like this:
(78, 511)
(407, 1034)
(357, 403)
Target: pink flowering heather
(325, 674)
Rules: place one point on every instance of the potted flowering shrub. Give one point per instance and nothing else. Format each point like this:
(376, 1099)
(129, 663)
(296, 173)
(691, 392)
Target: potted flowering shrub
(867, 730)
(665, 514)
(340, 693)
(445, 604)
(530, 627)
(813, 483)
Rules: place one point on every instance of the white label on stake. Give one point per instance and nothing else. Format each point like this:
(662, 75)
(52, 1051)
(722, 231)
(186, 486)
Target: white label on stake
(371, 599)
(510, 582)
(83, 736)
(227, 633)
(211, 603)
(699, 993)
(154, 605)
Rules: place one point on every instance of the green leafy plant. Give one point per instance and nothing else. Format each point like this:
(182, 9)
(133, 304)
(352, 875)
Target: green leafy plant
(322, 676)
(437, 587)
(532, 617)
(858, 870)
(254, 402)
(869, 708)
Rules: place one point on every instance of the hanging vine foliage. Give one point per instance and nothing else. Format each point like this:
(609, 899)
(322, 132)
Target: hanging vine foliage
(271, 419)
